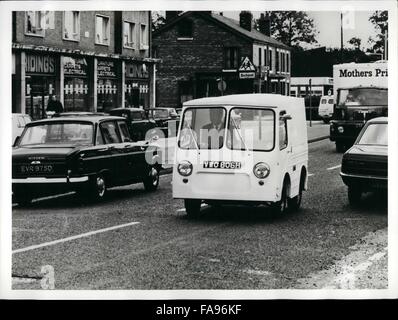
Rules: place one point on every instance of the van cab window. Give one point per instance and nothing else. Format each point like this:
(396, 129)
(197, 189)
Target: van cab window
(282, 132)
(110, 133)
(251, 129)
(203, 128)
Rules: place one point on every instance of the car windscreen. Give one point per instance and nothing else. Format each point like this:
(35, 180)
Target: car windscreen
(58, 133)
(363, 97)
(251, 129)
(202, 128)
(160, 114)
(375, 134)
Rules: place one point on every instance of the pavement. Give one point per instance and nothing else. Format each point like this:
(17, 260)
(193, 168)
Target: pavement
(317, 130)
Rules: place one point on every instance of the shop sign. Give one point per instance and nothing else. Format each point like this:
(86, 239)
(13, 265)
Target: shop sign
(247, 75)
(75, 67)
(106, 69)
(39, 64)
(136, 71)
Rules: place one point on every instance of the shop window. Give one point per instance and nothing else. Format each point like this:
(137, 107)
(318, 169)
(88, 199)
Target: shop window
(102, 32)
(144, 37)
(231, 58)
(76, 97)
(185, 30)
(129, 34)
(34, 23)
(71, 25)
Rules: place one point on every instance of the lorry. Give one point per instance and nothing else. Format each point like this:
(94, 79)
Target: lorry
(360, 94)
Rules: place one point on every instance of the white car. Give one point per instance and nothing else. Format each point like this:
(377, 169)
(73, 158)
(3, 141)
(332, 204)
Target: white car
(19, 120)
(261, 160)
(325, 109)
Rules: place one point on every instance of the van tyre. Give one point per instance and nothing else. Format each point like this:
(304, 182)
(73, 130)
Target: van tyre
(295, 203)
(151, 181)
(192, 207)
(354, 195)
(280, 207)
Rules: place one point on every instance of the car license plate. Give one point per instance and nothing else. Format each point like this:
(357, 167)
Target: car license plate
(38, 168)
(222, 165)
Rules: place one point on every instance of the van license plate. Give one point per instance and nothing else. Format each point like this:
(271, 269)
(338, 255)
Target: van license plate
(222, 165)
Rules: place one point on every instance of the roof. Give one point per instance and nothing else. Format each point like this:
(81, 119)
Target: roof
(92, 119)
(228, 23)
(128, 109)
(250, 99)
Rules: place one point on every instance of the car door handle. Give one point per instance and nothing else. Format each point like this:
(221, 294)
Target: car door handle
(102, 150)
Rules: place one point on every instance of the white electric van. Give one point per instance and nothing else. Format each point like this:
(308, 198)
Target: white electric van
(248, 148)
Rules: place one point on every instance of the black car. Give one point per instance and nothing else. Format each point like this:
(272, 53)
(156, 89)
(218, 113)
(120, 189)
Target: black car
(142, 127)
(365, 165)
(85, 154)
(167, 119)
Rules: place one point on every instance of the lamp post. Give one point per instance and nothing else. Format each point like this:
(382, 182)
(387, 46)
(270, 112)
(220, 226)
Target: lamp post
(310, 103)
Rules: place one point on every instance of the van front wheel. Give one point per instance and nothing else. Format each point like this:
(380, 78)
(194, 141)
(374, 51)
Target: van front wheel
(192, 207)
(295, 203)
(280, 207)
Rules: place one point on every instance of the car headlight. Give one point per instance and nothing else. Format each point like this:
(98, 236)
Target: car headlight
(261, 170)
(184, 168)
(341, 129)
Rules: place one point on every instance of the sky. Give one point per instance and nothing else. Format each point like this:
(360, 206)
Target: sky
(328, 24)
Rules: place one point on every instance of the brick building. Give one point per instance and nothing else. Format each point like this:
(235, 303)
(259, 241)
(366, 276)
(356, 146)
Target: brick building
(91, 60)
(202, 53)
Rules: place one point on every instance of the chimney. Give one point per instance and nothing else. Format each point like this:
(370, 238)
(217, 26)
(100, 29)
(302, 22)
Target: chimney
(170, 15)
(264, 24)
(246, 20)
(221, 13)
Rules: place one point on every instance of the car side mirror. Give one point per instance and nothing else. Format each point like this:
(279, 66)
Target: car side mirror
(286, 117)
(16, 141)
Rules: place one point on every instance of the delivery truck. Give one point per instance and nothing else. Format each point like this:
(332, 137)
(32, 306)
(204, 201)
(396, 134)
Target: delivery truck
(360, 94)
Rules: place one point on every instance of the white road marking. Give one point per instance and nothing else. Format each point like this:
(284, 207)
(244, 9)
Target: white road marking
(87, 234)
(310, 174)
(335, 167)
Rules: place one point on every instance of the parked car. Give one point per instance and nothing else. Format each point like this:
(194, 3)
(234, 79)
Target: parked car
(365, 165)
(260, 159)
(84, 154)
(19, 121)
(325, 109)
(166, 119)
(142, 127)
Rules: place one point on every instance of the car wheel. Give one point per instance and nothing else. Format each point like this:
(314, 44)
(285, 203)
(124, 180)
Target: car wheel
(151, 181)
(192, 207)
(98, 188)
(280, 207)
(295, 203)
(354, 195)
(340, 147)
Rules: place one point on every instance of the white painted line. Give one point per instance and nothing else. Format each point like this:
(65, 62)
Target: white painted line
(310, 174)
(335, 167)
(87, 234)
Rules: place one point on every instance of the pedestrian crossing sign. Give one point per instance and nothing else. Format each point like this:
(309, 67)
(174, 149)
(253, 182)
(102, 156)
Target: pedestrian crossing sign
(247, 66)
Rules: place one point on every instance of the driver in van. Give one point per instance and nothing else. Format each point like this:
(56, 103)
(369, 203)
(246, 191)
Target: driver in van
(214, 131)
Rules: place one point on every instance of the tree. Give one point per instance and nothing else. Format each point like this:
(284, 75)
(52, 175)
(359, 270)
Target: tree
(380, 21)
(356, 42)
(158, 20)
(293, 28)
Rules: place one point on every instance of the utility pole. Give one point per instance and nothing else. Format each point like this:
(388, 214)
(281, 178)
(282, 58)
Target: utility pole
(310, 103)
(341, 37)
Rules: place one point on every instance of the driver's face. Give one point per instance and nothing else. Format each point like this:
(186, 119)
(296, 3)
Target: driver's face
(216, 116)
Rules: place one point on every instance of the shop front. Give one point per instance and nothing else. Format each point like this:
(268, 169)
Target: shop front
(107, 85)
(136, 86)
(40, 82)
(76, 84)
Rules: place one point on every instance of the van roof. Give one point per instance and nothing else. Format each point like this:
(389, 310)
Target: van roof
(251, 99)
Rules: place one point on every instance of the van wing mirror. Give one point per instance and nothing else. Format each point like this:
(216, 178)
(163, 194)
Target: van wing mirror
(286, 117)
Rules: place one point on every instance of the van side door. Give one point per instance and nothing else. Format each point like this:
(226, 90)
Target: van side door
(285, 148)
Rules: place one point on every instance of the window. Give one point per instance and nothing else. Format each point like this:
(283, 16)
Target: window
(129, 34)
(124, 131)
(231, 58)
(185, 29)
(277, 61)
(143, 37)
(282, 131)
(270, 59)
(98, 139)
(71, 25)
(34, 23)
(265, 57)
(102, 32)
(109, 131)
(259, 57)
(288, 62)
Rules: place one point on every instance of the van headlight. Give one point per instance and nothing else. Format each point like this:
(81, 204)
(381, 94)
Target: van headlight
(261, 170)
(184, 168)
